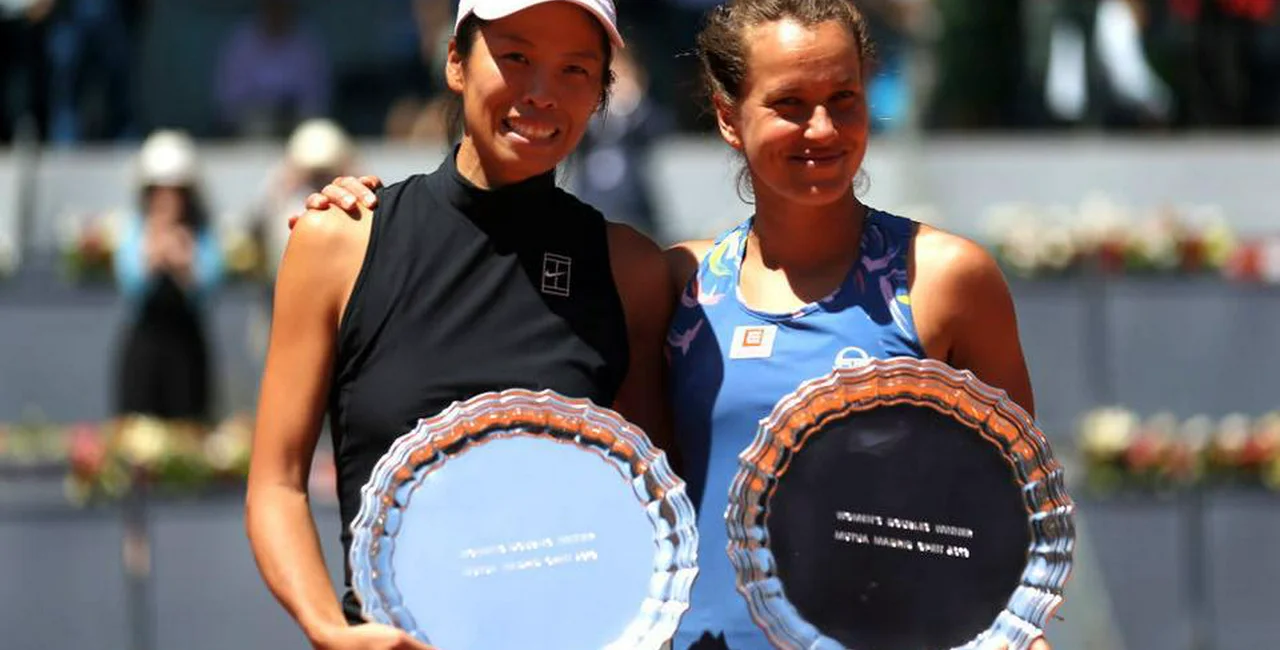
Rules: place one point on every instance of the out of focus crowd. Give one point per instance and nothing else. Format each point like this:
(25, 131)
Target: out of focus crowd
(91, 70)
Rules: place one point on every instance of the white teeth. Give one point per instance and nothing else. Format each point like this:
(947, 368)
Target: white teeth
(531, 131)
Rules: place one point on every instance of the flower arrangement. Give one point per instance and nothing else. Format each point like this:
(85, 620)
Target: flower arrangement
(104, 462)
(1257, 261)
(32, 442)
(107, 461)
(1122, 451)
(1102, 236)
(88, 244)
(110, 461)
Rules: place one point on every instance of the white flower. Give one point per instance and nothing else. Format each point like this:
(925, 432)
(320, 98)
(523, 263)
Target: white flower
(1021, 246)
(144, 441)
(1233, 434)
(1197, 431)
(1107, 432)
(1057, 248)
(1155, 242)
(1100, 219)
(228, 446)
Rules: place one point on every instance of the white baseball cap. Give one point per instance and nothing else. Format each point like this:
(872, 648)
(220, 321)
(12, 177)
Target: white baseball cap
(319, 144)
(603, 10)
(168, 158)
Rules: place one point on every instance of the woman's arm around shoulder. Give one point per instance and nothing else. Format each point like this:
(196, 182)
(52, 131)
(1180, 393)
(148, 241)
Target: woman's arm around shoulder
(964, 312)
(641, 275)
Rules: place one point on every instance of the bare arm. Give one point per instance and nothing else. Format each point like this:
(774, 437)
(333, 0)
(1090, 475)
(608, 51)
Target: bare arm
(640, 272)
(682, 262)
(316, 276)
(965, 314)
(965, 317)
(278, 514)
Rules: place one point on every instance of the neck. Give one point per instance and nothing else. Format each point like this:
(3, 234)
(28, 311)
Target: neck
(802, 237)
(472, 167)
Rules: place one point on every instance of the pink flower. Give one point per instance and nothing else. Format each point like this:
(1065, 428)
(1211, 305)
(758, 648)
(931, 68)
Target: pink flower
(86, 451)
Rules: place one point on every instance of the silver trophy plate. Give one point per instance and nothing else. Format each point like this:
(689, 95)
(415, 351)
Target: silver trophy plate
(897, 505)
(523, 519)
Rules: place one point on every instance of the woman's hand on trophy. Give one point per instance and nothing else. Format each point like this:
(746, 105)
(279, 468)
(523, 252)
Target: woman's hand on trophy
(343, 192)
(369, 636)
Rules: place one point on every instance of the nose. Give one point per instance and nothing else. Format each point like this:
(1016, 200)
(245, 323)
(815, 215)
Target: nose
(820, 127)
(540, 92)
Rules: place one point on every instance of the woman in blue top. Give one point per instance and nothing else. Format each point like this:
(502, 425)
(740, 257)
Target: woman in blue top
(812, 280)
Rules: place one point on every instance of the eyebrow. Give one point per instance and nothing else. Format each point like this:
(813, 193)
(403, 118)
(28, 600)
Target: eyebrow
(792, 88)
(520, 40)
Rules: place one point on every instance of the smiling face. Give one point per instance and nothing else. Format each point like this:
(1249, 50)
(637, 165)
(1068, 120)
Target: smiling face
(801, 118)
(528, 91)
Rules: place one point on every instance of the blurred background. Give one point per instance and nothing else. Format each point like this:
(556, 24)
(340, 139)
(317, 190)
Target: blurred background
(1120, 157)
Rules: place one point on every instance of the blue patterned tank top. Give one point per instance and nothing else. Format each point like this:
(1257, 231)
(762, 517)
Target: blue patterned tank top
(730, 364)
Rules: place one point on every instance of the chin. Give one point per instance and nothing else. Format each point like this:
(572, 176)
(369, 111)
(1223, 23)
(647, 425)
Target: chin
(523, 164)
(819, 194)
(535, 157)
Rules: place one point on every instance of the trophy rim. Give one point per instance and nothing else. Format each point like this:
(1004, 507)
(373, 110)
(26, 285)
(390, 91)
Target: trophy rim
(516, 412)
(875, 383)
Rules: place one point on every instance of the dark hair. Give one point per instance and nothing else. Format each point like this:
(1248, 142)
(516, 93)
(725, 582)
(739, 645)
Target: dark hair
(195, 213)
(723, 47)
(465, 40)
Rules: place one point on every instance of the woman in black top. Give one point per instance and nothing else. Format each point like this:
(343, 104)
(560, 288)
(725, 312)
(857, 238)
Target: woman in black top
(479, 276)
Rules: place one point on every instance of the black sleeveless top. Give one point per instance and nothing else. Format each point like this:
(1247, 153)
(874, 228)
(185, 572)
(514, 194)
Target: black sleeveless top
(464, 291)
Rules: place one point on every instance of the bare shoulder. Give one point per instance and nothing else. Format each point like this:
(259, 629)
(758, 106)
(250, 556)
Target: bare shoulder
(683, 260)
(330, 228)
(695, 248)
(964, 312)
(944, 259)
(325, 252)
(638, 263)
(630, 244)
(636, 260)
(953, 280)
(640, 274)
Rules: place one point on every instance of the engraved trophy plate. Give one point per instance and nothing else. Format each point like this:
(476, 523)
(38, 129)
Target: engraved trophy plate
(897, 505)
(522, 519)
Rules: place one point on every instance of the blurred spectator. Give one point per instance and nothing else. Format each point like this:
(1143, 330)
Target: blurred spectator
(979, 65)
(167, 266)
(1094, 67)
(401, 66)
(23, 65)
(894, 26)
(668, 30)
(272, 73)
(91, 45)
(419, 121)
(434, 22)
(318, 151)
(1222, 57)
(612, 161)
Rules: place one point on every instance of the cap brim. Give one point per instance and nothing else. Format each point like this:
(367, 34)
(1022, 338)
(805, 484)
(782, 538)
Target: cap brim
(614, 36)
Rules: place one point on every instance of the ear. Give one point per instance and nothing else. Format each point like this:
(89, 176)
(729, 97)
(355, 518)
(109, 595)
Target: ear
(453, 68)
(727, 119)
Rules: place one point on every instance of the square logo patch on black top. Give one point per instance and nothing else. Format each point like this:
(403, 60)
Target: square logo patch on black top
(556, 274)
